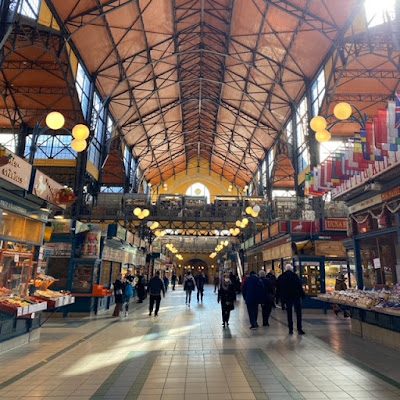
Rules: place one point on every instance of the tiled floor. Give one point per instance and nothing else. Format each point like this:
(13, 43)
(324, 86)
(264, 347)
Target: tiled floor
(185, 354)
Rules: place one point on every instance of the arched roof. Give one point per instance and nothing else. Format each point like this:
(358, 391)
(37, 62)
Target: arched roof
(214, 80)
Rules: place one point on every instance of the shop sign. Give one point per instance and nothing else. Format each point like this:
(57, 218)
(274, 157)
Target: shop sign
(391, 194)
(304, 226)
(61, 226)
(372, 201)
(277, 252)
(265, 234)
(274, 230)
(17, 171)
(129, 237)
(335, 224)
(13, 207)
(136, 241)
(372, 172)
(45, 188)
(258, 238)
(330, 248)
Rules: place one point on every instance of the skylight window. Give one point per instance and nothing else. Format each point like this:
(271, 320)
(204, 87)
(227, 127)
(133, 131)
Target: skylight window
(378, 12)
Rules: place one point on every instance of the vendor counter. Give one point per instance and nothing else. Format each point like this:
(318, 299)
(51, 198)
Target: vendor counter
(378, 324)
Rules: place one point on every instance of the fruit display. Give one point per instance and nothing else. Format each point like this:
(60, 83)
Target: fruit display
(43, 281)
(18, 305)
(54, 299)
(4, 291)
(378, 300)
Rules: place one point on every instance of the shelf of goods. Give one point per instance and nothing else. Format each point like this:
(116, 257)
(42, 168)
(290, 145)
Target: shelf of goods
(20, 305)
(54, 299)
(382, 301)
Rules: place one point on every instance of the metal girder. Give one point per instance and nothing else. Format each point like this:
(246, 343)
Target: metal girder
(365, 73)
(279, 74)
(316, 22)
(364, 97)
(39, 90)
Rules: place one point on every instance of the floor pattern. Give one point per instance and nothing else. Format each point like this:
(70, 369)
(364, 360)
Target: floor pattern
(184, 353)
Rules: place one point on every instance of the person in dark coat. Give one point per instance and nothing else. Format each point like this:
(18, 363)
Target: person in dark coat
(119, 295)
(268, 297)
(278, 292)
(340, 284)
(140, 288)
(200, 282)
(173, 280)
(291, 292)
(227, 297)
(166, 282)
(271, 277)
(154, 288)
(216, 282)
(252, 293)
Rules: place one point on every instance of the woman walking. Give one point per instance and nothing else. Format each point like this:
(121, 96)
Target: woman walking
(118, 293)
(227, 296)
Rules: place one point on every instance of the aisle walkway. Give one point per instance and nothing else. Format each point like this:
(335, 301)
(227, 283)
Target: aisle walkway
(185, 354)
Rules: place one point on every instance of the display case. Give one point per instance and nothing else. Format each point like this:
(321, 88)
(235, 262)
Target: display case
(83, 278)
(16, 267)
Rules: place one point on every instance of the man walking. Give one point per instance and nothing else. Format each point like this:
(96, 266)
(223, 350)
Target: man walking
(173, 280)
(188, 286)
(200, 281)
(291, 293)
(154, 288)
(252, 294)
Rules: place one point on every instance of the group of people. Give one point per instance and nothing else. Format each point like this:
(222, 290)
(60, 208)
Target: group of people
(262, 290)
(257, 290)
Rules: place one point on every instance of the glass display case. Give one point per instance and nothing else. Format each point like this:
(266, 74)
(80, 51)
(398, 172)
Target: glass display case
(105, 273)
(83, 277)
(312, 275)
(16, 267)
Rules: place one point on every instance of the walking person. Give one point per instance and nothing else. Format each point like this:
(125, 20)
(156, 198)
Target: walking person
(278, 292)
(189, 285)
(340, 284)
(252, 294)
(118, 294)
(154, 288)
(140, 288)
(200, 282)
(227, 297)
(128, 289)
(268, 297)
(216, 282)
(291, 292)
(271, 277)
(166, 282)
(173, 280)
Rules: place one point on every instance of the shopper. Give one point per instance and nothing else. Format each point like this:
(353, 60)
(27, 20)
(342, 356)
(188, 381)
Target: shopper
(200, 282)
(252, 294)
(118, 294)
(128, 290)
(140, 288)
(173, 280)
(216, 282)
(268, 297)
(291, 292)
(227, 297)
(166, 282)
(189, 285)
(340, 284)
(271, 277)
(154, 288)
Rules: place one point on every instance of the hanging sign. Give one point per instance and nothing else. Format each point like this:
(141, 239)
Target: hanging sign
(335, 224)
(45, 188)
(16, 170)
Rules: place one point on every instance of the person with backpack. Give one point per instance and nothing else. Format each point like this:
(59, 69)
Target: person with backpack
(252, 294)
(189, 285)
(268, 297)
(128, 291)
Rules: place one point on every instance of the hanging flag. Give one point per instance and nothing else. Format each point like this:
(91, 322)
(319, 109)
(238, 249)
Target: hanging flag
(370, 152)
(397, 119)
(352, 167)
(381, 132)
(393, 132)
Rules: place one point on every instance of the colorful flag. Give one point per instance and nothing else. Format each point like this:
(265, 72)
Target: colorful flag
(381, 131)
(397, 111)
(370, 152)
(393, 132)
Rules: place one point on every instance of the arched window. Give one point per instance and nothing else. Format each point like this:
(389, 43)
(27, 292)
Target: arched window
(200, 190)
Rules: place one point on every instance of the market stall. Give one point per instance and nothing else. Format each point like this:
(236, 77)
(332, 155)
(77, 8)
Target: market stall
(375, 315)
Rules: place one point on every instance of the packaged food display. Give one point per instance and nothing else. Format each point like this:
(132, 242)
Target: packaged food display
(379, 300)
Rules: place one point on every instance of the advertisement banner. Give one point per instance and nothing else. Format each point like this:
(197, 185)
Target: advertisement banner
(304, 226)
(16, 170)
(335, 224)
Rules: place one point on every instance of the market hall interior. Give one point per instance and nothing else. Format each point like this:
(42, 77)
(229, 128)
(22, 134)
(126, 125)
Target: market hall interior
(184, 353)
